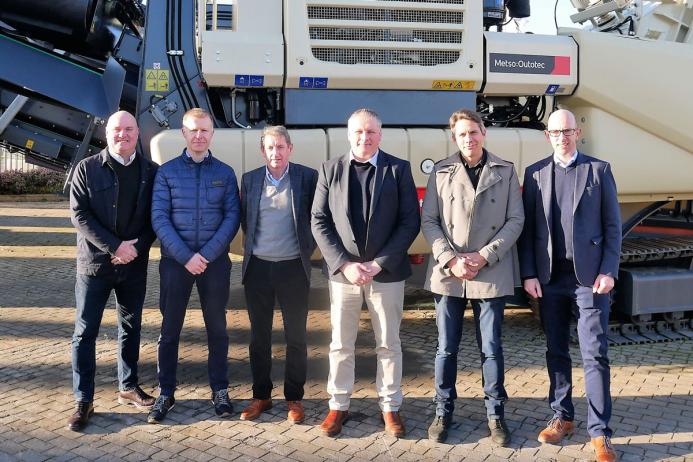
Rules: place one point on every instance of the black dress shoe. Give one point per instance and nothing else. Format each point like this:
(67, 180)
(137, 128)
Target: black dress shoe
(136, 397)
(499, 431)
(78, 420)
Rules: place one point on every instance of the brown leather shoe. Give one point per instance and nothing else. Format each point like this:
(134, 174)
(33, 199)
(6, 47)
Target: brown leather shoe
(393, 424)
(78, 420)
(332, 425)
(296, 413)
(255, 408)
(603, 450)
(136, 397)
(556, 430)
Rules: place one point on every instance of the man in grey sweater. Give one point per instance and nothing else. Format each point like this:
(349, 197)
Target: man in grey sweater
(275, 215)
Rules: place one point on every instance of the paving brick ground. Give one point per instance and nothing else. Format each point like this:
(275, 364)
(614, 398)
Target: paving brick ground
(653, 416)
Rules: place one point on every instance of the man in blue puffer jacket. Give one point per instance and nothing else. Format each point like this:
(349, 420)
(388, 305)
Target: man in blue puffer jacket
(195, 214)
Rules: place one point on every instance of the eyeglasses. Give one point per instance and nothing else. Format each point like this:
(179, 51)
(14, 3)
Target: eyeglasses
(565, 132)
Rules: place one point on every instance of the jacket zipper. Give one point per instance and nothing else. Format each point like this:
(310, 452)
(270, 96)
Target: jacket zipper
(198, 216)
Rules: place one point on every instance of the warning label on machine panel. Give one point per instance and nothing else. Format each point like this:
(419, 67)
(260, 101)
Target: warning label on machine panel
(453, 85)
(156, 80)
(529, 64)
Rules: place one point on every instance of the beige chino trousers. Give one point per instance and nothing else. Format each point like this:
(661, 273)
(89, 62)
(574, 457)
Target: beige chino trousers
(385, 302)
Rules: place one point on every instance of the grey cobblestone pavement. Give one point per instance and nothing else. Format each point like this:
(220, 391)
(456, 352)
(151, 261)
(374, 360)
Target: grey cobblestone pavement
(651, 384)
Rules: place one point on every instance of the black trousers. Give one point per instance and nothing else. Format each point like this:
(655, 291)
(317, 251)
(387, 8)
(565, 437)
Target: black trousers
(287, 282)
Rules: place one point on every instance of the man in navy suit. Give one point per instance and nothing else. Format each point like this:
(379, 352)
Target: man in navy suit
(275, 215)
(569, 256)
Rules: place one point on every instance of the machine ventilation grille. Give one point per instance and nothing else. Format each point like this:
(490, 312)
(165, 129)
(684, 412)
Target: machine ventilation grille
(373, 32)
(392, 57)
(385, 35)
(384, 14)
(446, 2)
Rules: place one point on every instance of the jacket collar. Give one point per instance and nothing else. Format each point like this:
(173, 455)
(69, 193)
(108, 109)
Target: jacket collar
(104, 156)
(491, 160)
(188, 160)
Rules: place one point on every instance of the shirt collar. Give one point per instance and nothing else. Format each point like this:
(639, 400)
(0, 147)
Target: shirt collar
(373, 160)
(557, 160)
(272, 180)
(120, 160)
(191, 157)
(479, 164)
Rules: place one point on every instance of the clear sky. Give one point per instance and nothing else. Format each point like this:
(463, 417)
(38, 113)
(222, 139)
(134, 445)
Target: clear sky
(541, 21)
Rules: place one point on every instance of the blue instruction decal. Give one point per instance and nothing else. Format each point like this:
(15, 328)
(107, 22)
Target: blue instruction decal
(257, 80)
(552, 89)
(242, 80)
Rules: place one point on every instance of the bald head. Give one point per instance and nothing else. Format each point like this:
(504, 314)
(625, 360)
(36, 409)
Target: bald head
(121, 134)
(562, 117)
(563, 133)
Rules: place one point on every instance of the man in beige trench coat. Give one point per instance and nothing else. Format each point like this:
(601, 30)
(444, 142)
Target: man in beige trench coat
(472, 215)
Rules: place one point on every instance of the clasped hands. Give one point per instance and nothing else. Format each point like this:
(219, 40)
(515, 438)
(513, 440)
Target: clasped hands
(125, 253)
(360, 273)
(602, 285)
(466, 265)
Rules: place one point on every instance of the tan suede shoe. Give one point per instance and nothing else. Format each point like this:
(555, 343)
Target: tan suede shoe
(394, 426)
(556, 430)
(603, 450)
(255, 408)
(296, 413)
(332, 425)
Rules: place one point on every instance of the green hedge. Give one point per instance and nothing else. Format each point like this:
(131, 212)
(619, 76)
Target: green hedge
(38, 181)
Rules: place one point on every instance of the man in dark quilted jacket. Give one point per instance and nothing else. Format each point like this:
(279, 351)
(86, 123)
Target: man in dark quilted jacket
(195, 214)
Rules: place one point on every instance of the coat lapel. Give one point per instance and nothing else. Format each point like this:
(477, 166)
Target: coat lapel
(342, 176)
(545, 186)
(258, 180)
(458, 174)
(296, 180)
(488, 178)
(382, 165)
(581, 174)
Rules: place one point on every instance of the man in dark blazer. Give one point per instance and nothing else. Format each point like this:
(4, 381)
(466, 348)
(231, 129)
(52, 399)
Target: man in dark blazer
(110, 203)
(569, 257)
(365, 217)
(275, 217)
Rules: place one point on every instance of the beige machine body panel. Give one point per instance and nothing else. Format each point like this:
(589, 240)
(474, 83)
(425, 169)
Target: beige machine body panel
(634, 109)
(375, 44)
(241, 150)
(530, 64)
(251, 53)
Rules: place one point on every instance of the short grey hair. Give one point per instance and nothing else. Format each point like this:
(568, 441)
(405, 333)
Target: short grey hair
(368, 113)
(274, 130)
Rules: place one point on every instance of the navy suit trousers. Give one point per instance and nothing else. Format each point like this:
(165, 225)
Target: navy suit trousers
(563, 298)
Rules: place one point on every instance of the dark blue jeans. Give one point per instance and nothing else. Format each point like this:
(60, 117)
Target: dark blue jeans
(176, 286)
(287, 281)
(91, 294)
(563, 298)
(488, 319)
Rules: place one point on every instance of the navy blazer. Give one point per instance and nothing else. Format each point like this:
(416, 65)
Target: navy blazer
(303, 180)
(596, 221)
(392, 226)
